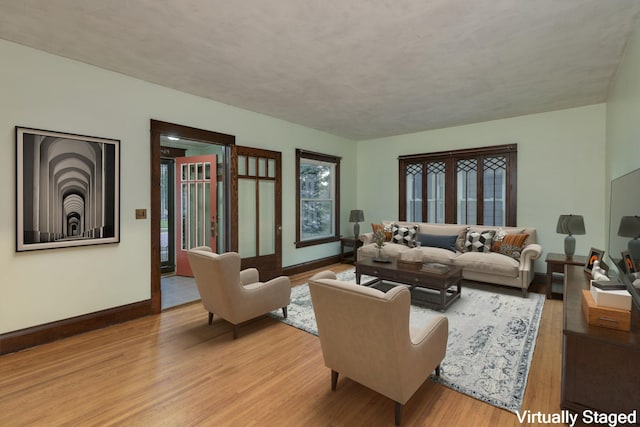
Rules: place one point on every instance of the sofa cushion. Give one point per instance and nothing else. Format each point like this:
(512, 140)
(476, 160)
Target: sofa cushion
(479, 241)
(490, 263)
(443, 256)
(404, 234)
(512, 245)
(435, 241)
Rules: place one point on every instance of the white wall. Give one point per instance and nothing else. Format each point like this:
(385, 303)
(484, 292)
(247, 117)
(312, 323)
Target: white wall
(623, 113)
(560, 169)
(49, 92)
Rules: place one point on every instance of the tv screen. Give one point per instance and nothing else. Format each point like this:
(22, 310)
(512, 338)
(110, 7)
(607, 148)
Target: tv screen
(624, 230)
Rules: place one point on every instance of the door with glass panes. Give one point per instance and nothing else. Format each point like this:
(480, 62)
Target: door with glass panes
(260, 211)
(195, 207)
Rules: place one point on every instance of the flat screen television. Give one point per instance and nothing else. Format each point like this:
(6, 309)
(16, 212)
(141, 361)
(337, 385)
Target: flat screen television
(624, 230)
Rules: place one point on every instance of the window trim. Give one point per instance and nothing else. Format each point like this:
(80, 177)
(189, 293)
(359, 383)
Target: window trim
(510, 151)
(303, 154)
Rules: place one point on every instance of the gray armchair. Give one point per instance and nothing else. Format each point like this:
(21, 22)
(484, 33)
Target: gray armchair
(365, 335)
(234, 295)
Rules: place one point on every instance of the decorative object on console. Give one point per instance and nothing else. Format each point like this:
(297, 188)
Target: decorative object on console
(607, 317)
(629, 262)
(356, 215)
(593, 260)
(598, 273)
(570, 225)
(630, 227)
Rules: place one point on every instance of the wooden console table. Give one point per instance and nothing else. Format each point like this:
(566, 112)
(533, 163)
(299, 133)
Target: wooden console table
(600, 366)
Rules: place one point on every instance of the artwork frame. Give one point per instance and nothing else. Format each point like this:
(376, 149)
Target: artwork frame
(628, 262)
(594, 255)
(67, 190)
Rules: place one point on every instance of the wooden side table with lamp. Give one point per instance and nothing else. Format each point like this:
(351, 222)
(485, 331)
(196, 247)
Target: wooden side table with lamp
(556, 264)
(570, 225)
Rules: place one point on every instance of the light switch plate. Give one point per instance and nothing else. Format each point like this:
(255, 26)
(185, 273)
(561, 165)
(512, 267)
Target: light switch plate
(141, 214)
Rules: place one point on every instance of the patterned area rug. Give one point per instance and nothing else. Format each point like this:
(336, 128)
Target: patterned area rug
(492, 335)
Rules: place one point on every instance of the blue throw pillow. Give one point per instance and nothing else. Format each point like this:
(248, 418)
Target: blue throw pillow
(435, 241)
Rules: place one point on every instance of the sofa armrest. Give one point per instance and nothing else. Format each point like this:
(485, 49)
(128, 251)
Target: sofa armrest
(529, 254)
(366, 238)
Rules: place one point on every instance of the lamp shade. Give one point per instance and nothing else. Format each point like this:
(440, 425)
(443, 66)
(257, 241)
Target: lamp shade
(570, 224)
(356, 215)
(629, 227)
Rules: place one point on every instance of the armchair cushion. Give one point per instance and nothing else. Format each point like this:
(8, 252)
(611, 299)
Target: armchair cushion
(249, 275)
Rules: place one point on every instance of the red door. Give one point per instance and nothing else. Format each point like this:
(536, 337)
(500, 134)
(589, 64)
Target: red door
(195, 207)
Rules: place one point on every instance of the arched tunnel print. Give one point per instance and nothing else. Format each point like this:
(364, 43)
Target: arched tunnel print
(69, 189)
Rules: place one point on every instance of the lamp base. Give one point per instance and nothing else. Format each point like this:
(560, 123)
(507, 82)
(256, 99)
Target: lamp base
(356, 230)
(569, 246)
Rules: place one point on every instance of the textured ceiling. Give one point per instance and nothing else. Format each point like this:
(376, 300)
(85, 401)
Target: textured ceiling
(359, 69)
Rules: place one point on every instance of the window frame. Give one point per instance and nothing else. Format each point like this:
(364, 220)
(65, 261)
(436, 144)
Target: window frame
(451, 158)
(326, 158)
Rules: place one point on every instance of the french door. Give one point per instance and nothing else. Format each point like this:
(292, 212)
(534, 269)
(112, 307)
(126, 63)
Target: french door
(196, 207)
(260, 210)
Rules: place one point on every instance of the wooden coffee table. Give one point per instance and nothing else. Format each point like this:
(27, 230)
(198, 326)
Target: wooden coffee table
(446, 284)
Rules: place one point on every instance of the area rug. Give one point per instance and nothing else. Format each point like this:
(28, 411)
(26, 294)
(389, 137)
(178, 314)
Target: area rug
(492, 335)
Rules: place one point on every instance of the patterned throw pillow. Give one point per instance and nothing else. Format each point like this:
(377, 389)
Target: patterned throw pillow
(404, 235)
(497, 239)
(383, 228)
(479, 241)
(512, 245)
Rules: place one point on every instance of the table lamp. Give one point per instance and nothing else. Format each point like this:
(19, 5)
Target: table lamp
(356, 216)
(570, 225)
(630, 227)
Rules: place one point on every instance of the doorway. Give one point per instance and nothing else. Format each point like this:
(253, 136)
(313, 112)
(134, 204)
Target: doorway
(191, 205)
(259, 184)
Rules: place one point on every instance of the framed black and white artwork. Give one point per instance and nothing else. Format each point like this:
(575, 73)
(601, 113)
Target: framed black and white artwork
(67, 190)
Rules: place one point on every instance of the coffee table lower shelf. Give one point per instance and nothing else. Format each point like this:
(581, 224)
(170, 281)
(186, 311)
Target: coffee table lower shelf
(433, 290)
(434, 299)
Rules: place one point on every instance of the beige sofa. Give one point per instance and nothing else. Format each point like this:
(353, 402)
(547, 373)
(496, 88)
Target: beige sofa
(491, 266)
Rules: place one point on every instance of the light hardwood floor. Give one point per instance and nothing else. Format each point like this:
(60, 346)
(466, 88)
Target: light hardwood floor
(175, 370)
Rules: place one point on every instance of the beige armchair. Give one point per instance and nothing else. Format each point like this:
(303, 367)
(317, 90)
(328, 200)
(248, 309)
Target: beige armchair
(234, 295)
(365, 335)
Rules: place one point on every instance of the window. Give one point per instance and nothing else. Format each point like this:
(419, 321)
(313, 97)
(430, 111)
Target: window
(474, 186)
(317, 198)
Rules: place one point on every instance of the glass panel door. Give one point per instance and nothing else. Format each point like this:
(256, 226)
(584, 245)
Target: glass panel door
(260, 211)
(196, 188)
(167, 231)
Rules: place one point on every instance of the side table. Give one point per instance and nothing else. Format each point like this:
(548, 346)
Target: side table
(349, 242)
(555, 264)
